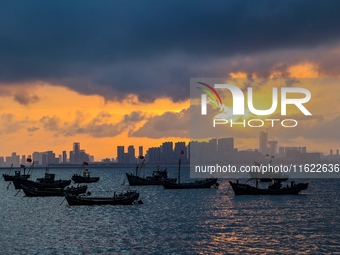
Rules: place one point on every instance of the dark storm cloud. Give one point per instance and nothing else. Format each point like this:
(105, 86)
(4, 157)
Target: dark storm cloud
(153, 48)
(169, 124)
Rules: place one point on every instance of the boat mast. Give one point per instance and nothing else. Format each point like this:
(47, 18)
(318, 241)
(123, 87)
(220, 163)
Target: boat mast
(179, 170)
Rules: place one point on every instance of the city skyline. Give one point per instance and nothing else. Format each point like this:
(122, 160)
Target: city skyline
(167, 152)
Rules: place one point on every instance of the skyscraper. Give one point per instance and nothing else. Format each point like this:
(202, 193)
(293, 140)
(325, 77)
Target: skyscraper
(131, 154)
(167, 153)
(141, 151)
(272, 148)
(64, 157)
(120, 154)
(263, 142)
(76, 150)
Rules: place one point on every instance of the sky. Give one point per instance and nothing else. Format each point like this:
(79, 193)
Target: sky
(109, 73)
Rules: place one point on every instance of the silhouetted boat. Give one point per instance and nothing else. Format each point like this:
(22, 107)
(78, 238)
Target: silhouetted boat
(53, 192)
(84, 176)
(17, 174)
(267, 177)
(48, 181)
(275, 188)
(200, 184)
(127, 198)
(154, 179)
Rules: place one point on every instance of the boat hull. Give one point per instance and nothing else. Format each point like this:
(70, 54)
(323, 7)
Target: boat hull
(9, 178)
(28, 183)
(52, 192)
(81, 179)
(73, 200)
(204, 184)
(139, 181)
(246, 189)
(268, 177)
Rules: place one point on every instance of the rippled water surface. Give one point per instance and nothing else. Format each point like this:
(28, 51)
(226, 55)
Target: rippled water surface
(210, 221)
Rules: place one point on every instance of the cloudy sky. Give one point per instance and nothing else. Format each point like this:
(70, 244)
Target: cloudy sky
(108, 73)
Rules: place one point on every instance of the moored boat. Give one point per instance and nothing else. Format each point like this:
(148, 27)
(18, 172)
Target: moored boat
(199, 184)
(154, 179)
(84, 176)
(52, 192)
(127, 198)
(267, 176)
(276, 188)
(48, 181)
(17, 173)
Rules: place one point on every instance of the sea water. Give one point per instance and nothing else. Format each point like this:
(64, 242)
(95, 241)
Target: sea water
(202, 221)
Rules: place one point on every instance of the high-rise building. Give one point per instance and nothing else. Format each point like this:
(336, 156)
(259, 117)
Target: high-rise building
(76, 150)
(48, 157)
(131, 154)
(225, 149)
(167, 153)
(83, 157)
(64, 160)
(153, 155)
(72, 161)
(272, 148)
(225, 144)
(263, 141)
(141, 151)
(281, 151)
(120, 154)
(92, 158)
(23, 160)
(179, 148)
(37, 158)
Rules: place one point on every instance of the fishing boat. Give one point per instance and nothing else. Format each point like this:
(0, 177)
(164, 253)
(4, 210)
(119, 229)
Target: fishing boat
(17, 174)
(53, 192)
(199, 184)
(48, 181)
(127, 198)
(154, 179)
(269, 176)
(275, 188)
(84, 176)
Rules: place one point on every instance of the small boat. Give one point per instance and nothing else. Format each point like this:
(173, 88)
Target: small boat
(127, 198)
(267, 177)
(200, 184)
(275, 188)
(48, 181)
(154, 179)
(84, 176)
(17, 174)
(52, 192)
